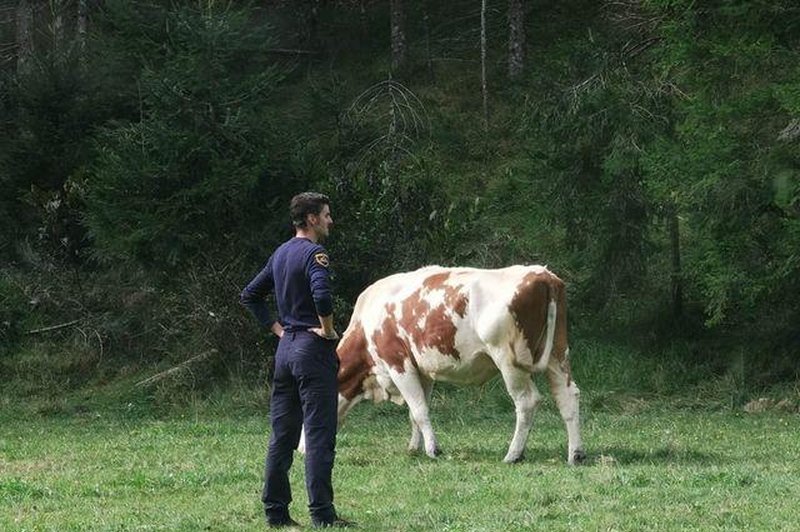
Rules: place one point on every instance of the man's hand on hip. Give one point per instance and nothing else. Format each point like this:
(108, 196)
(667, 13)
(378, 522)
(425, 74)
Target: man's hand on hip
(319, 331)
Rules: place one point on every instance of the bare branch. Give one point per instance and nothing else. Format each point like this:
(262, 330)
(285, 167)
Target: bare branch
(53, 327)
(183, 366)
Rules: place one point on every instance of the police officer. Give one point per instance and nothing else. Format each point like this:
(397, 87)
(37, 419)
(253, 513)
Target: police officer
(304, 389)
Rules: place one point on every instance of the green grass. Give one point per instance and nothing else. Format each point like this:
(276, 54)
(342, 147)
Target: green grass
(653, 465)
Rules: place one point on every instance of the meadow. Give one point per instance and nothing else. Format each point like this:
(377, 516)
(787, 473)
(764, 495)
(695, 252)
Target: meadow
(648, 151)
(655, 463)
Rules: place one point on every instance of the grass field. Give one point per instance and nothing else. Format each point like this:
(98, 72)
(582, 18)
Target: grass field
(654, 464)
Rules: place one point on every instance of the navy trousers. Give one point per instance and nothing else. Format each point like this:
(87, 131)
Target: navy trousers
(304, 393)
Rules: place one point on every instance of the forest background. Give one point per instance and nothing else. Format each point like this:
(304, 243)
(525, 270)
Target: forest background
(647, 151)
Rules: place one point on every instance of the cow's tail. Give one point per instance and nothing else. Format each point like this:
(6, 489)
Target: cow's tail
(552, 310)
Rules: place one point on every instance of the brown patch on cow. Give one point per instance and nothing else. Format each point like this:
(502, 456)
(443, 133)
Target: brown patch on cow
(453, 298)
(440, 332)
(388, 344)
(529, 308)
(459, 303)
(435, 281)
(433, 328)
(415, 311)
(423, 326)
(354, 362)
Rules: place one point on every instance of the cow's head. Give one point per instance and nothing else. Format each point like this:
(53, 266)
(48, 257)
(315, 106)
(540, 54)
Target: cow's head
(355, 363)
(357, 379)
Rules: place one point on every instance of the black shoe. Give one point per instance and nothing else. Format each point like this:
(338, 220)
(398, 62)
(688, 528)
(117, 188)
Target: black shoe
(283, 523)
(337, 522)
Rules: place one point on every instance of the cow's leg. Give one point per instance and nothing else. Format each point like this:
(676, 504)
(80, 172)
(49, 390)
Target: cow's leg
(523, 392)
(413, 391)
(566, 394)
(342, 410)
(416, 433)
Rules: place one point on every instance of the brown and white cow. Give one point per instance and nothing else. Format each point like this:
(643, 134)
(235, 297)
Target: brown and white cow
(460, 325)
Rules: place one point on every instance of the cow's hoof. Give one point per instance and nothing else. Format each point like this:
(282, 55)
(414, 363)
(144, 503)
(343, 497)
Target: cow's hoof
(578, 457)
(514, 460)
(435, 453)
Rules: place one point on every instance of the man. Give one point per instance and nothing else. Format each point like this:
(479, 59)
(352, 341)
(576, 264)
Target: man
(304, 388)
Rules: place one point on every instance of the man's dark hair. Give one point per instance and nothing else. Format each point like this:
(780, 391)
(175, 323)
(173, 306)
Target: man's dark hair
(304, 204)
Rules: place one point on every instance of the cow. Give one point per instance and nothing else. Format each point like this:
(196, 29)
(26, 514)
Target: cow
(460, 325)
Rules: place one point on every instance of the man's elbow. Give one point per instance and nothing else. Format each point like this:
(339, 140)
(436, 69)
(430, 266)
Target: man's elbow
(246, 298)
(324, 307)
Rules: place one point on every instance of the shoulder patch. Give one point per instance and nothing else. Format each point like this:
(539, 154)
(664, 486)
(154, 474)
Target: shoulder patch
(321, 259)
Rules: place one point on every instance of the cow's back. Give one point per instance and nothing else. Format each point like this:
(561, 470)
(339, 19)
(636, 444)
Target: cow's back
(446, 322)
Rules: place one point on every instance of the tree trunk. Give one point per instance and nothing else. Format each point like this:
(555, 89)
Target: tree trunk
(307, 13)
(398, 34)
(57, 16)
(362, 13)
(313, 25)
(426, 25)
(516, 38)
(81, 30)
(484, 89)
(24, 18)
(676, 275)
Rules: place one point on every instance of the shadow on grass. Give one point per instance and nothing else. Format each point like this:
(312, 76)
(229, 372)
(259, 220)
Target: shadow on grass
(658, 456)
(556, 455)
(484, 455)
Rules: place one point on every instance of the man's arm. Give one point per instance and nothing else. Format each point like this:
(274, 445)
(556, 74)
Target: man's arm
(253, 298)
(327, 330)
(277, 329)
(319, 281)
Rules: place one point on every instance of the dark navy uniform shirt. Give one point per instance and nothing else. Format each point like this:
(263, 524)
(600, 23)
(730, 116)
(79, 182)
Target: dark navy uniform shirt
(298, 274)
